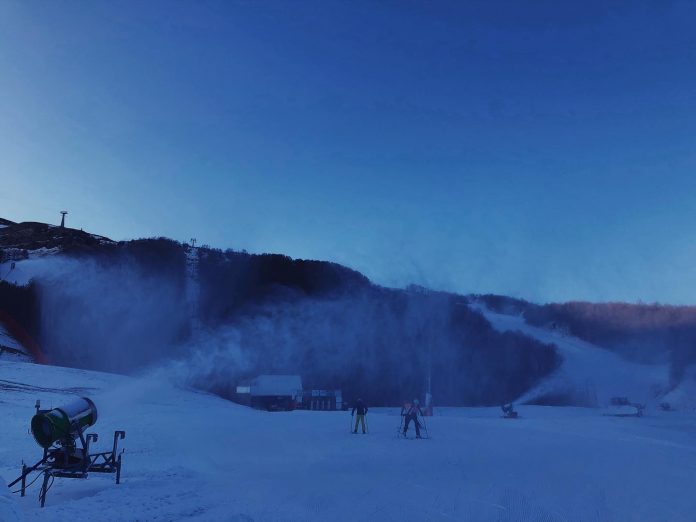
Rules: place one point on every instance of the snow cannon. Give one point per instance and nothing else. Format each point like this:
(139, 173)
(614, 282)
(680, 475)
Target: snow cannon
(63, 423)
(66, 447)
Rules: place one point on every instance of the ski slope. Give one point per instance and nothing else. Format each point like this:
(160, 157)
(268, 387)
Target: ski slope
(195, 457)
(588, 372)
(40, 261)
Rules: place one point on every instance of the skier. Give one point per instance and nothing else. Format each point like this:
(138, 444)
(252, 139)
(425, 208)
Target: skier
(411, 414)
(362, 411)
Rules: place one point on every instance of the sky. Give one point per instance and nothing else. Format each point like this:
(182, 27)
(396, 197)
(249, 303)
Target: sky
(544, 150)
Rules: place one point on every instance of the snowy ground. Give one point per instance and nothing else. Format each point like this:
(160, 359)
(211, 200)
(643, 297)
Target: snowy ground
(193, 456)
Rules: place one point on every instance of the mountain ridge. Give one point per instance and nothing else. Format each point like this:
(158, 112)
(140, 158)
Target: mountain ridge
(271, 313)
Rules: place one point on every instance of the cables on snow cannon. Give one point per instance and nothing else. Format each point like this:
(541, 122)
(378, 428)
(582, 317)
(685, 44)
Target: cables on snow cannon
(49, 426)
(66, 448)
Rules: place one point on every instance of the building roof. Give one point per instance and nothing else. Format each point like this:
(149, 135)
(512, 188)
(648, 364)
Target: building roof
(276, 385)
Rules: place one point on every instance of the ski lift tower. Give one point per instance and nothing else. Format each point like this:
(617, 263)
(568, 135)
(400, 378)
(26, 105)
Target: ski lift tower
(62, 219)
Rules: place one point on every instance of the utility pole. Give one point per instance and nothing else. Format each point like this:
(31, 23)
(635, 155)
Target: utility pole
(193, 242)
(62, 219)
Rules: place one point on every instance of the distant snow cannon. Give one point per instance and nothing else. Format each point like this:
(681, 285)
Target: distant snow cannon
(59, 431)
(509, 411)
(62, 423)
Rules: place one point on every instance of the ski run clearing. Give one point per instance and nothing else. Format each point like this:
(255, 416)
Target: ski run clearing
(587, 369)
(193, 456)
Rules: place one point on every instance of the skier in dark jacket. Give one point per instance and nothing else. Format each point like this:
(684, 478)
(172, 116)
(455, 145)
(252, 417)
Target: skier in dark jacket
(411, 414)
(362, 411)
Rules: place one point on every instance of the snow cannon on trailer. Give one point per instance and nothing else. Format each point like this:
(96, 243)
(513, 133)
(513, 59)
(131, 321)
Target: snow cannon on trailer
(60, 432)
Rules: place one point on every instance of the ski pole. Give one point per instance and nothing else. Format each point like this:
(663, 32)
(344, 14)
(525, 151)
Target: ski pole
(425, 427)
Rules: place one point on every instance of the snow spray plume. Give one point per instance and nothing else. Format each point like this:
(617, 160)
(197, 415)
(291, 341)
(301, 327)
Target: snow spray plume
(212, 361)
(379, 344)
(124, 315)
(112, 317)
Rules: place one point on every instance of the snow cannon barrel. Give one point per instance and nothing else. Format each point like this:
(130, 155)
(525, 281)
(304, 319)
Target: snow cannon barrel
(63, 423)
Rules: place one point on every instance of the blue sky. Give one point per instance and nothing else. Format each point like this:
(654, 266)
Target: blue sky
(539, 149)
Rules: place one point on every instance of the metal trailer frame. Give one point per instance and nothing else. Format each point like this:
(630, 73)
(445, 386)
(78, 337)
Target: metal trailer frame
(65, 459)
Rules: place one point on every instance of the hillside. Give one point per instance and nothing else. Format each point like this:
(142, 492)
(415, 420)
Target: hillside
(17, 240)
(92, 303)
(82, 300)
(647, 334)
(590, 375)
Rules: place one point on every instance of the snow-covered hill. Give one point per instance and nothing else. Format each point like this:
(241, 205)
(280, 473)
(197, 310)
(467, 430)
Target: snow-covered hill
(38, 262)
(589, 374)
(119, 307)
(195, 457)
